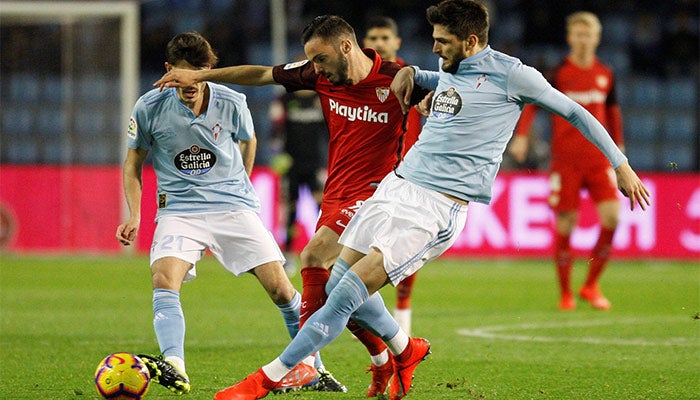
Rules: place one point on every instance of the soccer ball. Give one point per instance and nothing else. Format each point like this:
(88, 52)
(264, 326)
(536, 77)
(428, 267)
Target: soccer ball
(122, 376)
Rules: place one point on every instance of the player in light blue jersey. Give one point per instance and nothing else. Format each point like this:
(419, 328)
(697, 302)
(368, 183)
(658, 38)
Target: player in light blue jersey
(203, 145)
(418, 211)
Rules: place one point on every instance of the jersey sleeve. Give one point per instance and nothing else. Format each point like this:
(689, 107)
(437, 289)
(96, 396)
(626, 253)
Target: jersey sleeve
(526, 84)
(138, 134)
(295, 76)
(243, 122)
(426, 79)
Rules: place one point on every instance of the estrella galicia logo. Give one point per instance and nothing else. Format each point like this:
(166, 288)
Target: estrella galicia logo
(447, 104)
(195, 161)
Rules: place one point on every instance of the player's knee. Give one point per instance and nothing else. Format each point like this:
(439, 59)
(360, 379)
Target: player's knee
(312, 254)
(281, 293)
(163, 280)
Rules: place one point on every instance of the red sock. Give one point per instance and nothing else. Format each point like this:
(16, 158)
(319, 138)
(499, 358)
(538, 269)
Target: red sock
(313, 297)
(403, 292)
(601, 254)
(562, 259)
(374, 345)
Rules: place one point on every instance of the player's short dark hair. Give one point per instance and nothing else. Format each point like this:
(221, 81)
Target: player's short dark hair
(382, 22)
(461, 18)
(191, 47)
(327, 27)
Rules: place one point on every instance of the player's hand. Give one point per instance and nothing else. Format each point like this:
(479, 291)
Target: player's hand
(424, 106)
(632, 187)
(402, 87)
(177, 77)
(518, 148)
(126, 232)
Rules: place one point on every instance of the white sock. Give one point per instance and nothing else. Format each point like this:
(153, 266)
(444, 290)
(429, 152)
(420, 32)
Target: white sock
(178, 362)
(398, 343)
(403, 317)
(275, 370)
(310, 360)
(381, 358)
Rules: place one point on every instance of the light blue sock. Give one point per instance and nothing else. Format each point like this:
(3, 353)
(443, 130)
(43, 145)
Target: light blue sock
(290, 314)
(373, 316)
(328, 322)
(383, 325)
(169, 322)
(339, 269)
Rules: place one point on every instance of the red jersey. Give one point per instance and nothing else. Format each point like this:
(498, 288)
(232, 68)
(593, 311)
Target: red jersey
(594, 89)
(364, 124)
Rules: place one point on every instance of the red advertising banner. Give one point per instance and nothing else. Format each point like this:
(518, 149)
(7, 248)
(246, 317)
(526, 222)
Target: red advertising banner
(78, 208)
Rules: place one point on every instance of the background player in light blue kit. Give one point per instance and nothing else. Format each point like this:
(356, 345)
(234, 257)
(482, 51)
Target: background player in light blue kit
(418, 210)
(203, 145)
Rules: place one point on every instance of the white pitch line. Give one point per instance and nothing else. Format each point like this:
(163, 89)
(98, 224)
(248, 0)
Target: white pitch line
(494, 332)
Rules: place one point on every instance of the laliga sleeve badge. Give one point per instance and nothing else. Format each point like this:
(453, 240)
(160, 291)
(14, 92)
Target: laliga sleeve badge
(133, 127)
(295, 64)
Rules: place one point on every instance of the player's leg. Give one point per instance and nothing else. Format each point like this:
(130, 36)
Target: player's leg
(177, 247)
(565, 184)
(320, 329)
(564, 225)
(316, 258)
(367, 276)
(381, 365)
(242, 244)
(399, 238)
(274, 280)
(602, 187)
(402, 311)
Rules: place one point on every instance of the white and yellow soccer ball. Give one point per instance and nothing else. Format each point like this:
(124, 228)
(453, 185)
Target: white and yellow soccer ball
(122, 376)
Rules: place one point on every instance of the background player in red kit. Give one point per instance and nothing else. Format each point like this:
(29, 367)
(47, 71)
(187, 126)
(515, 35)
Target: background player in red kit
(382, 35)
(365, 125)
(576, 163)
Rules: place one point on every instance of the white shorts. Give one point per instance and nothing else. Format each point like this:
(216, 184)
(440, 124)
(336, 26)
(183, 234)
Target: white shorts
(238, 239)
(409, 224)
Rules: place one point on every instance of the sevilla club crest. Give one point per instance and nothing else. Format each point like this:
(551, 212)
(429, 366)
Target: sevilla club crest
(382, 93)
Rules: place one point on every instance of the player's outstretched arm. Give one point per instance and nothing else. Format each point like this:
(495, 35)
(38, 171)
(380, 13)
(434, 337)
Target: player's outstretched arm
(246, 75)
(632, 187)
(402, 86)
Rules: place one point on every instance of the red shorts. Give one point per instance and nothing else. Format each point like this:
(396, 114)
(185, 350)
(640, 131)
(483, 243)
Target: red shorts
(566, 182)
(336, 214)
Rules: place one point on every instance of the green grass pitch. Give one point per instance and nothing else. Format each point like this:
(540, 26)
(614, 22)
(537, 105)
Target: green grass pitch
(494, 327)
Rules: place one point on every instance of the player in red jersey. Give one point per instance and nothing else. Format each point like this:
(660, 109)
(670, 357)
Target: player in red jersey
(382, 35)
(365, 126)
(576, 163)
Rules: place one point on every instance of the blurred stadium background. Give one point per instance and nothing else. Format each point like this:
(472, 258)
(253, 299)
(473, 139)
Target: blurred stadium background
(71, 71)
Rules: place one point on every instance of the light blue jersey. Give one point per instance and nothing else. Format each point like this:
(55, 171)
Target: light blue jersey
(196, 159)
(472, 118)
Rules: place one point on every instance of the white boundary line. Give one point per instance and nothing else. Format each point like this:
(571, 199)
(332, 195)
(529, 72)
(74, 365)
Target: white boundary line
(495, 332)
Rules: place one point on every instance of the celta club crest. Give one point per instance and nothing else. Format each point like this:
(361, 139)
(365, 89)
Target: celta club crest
(481, 80)
(382, 93)
(216, 130)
